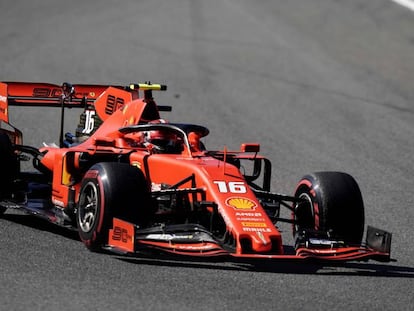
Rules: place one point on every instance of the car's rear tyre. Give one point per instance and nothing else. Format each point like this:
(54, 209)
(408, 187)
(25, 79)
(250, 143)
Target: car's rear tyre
(332, 202)
(110, 190)
(8, 168)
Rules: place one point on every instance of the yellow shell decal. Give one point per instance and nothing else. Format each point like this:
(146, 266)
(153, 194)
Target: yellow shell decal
(241, 203)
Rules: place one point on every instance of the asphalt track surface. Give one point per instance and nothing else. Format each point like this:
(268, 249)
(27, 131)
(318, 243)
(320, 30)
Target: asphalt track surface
(321, 84)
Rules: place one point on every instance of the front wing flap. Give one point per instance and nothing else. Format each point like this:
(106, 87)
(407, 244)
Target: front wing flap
(196, 241)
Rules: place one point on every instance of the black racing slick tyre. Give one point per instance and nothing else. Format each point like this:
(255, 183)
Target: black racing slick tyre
(330, 202)
(8, 168)
(110, 190)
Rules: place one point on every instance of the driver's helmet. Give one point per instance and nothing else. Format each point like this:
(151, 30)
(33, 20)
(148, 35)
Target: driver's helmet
(163, 140)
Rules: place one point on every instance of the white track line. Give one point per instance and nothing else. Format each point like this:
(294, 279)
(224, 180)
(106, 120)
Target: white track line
(409, 4)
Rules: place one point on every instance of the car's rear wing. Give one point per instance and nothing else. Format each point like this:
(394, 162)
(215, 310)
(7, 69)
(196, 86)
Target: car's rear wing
(44, 94)
(50, 95)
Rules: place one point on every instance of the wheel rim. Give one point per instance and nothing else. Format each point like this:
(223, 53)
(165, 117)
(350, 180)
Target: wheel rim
(304, 213)
(88, 207)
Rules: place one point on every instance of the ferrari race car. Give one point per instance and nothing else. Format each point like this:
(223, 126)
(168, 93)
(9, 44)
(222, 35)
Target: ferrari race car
(138, 183)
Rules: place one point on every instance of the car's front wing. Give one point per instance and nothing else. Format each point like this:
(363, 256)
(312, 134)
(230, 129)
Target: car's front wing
(194, 240)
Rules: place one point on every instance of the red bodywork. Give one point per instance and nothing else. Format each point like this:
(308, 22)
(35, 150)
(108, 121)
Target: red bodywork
(244, 220)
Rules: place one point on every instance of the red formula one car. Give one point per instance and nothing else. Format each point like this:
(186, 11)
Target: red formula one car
(139, 183)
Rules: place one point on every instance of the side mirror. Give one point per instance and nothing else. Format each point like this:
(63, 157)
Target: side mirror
(250, 147)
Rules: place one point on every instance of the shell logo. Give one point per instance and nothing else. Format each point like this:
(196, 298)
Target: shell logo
(241, 203)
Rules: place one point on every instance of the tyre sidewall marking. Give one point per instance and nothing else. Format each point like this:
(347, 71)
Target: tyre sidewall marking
(101, 207)
(314, 199)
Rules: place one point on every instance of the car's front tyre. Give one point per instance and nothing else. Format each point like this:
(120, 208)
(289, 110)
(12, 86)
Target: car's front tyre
(110, 190)
(330, 202)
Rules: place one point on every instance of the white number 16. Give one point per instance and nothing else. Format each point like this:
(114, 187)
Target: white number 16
(231, 186)
(89, 122)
